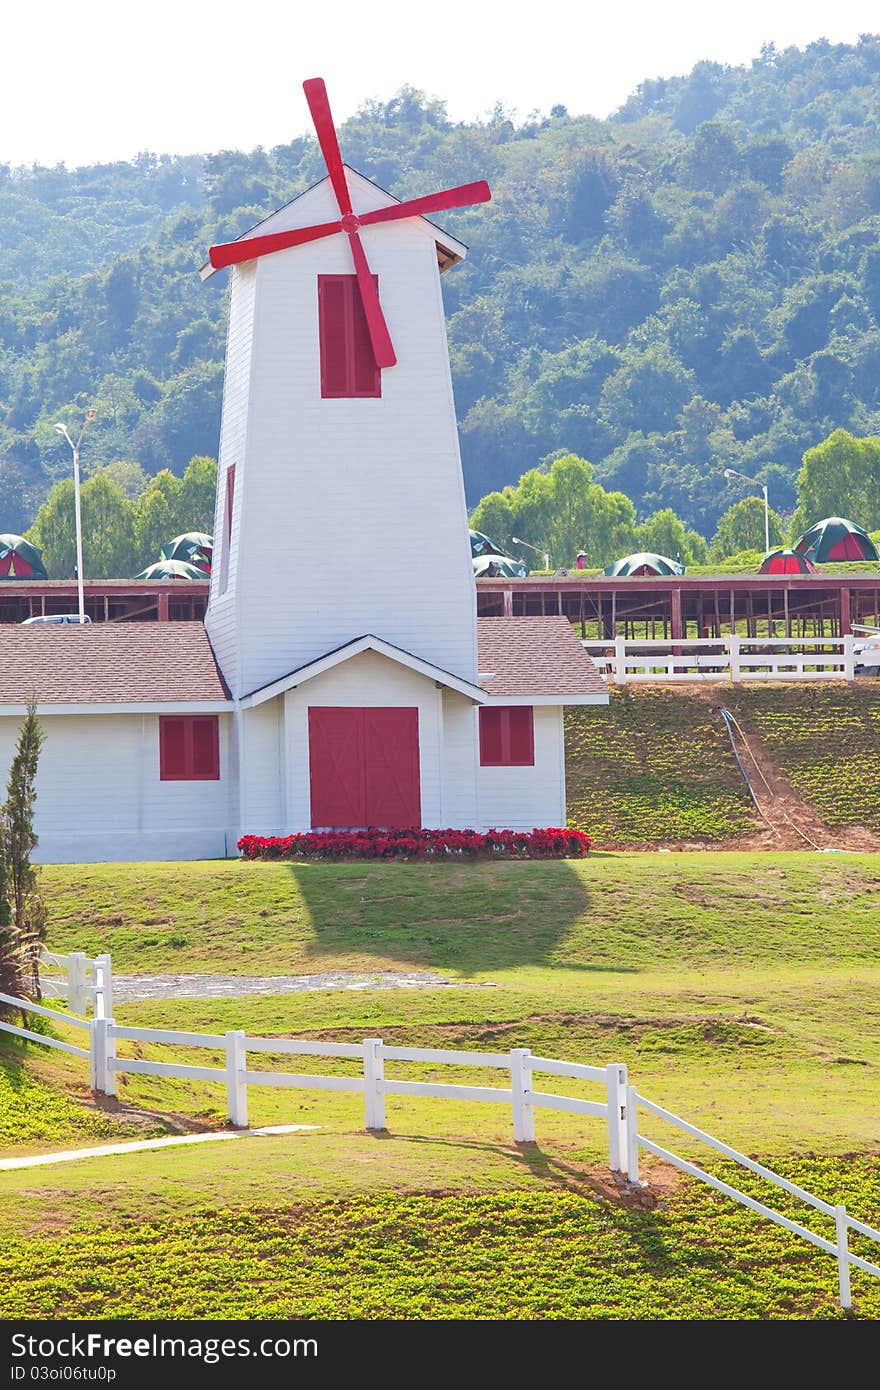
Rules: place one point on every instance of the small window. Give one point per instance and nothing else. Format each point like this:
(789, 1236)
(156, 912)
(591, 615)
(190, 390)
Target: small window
(189, 748)
(229, 501)
(348, 367)
(507, 736)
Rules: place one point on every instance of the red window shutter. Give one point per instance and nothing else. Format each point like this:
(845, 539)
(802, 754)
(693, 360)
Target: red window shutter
(507, 736)
(205, 763)
(491, 751)
(172, 749)
(348, 367)
(189, 748)
(521, 747)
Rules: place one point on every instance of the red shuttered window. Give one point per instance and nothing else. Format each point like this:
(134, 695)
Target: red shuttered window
(189, 748)
(507, 736)
(348, 367)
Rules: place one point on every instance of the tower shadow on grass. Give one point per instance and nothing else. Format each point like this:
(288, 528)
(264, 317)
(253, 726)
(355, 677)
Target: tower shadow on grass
(468, 917)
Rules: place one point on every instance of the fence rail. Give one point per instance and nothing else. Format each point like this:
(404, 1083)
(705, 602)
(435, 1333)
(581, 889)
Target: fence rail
(626, 661)
(843, 1222)
(619, 1107)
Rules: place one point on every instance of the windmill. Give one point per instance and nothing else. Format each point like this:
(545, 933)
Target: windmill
(348, 223)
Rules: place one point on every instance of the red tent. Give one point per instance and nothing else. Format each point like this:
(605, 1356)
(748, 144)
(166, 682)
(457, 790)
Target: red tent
(787, 562)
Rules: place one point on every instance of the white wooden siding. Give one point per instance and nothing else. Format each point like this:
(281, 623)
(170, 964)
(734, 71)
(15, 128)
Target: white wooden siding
(222, 616)
(523, 798)
(99, 796)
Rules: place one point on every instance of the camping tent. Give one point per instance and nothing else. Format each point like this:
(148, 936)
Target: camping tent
(786, 562)
(643, 563)
(499, 567)
(481, 545)
(171, 569)
(835, 538)
(19, 559)
(195, 547)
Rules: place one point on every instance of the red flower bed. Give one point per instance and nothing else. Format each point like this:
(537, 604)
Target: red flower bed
(419, 844)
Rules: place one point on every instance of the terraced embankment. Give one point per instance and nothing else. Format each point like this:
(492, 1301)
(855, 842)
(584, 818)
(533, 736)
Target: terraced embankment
(656, 767)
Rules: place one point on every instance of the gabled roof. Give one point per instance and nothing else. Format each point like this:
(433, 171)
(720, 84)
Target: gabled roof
(116, 664)
(536, 661)
(449, 250)
(366, 643)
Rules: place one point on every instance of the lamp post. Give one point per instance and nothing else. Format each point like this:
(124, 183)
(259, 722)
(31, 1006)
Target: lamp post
(732, 473)
(62, 429)
(517, 540)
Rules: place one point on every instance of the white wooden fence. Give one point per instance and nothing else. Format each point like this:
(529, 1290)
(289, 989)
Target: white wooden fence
(84, 981)
(843, 1222)
(619, 1106)
(625, 661)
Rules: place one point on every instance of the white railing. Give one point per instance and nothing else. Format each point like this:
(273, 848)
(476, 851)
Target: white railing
(619, 1107)
(625, 661)
(84, 981)
(843, 1222)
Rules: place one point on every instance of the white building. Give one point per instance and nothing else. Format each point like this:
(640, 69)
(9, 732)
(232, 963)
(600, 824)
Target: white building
(337, 684)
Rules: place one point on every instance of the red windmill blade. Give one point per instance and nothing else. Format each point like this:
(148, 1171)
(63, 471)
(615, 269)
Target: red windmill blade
(248, 249)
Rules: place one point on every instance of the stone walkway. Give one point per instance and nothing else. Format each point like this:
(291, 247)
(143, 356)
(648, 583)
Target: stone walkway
(127, 988)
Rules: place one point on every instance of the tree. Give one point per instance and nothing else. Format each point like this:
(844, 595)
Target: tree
(195, 500)
(664, 533)
(742, 528)
(839, 477)
(22, 911)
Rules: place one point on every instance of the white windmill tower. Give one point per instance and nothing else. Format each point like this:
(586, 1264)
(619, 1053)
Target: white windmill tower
(339, 442)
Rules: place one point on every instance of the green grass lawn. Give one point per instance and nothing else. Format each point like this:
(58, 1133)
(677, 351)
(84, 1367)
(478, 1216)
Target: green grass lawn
(741, 990)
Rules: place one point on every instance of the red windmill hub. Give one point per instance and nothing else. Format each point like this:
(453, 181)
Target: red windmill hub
(231, 252)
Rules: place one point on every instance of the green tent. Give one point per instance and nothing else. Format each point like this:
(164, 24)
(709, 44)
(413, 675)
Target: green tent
(195, 547)
(481, 545)
(643, 563)
(19, 559)
(835, 538)
(499, 567)
(171, 569)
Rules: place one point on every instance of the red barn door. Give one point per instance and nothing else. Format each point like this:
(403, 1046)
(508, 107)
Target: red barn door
(364, 767)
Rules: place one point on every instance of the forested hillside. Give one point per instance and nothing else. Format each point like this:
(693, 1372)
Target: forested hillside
(690, 285)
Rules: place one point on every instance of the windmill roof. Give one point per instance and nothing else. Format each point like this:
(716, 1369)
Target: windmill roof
(449, 249)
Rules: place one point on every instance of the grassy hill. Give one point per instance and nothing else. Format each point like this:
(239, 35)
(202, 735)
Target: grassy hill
(656, 766)
(740, 990)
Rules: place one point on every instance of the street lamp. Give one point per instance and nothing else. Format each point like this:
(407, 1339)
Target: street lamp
(528, 545)
(732, 473)
(62, 429)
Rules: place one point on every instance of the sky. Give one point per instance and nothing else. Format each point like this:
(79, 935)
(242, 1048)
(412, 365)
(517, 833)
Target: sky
(87, 81)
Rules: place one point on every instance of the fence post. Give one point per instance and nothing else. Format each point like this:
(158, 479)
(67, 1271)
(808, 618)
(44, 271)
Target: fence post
(840, 1222)
(733, 646)
(103, 987)
(104, 1052)
(374, 1089)
(632, 1134)
(236, 1086)
(620, 660)
(77, 995)
(616, 1084)
(521, 1086)
(849, 657)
